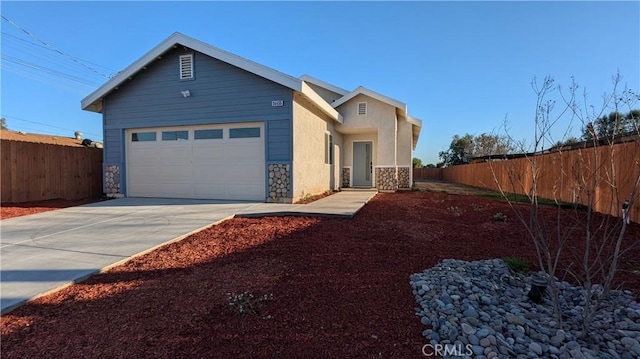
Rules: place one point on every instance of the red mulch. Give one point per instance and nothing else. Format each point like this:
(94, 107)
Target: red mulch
(10, 210)
(340, 287)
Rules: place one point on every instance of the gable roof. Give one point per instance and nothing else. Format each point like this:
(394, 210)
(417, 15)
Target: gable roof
(93, 102)
(380, 97)
(401, 108)
(8, 135)
(325, 85)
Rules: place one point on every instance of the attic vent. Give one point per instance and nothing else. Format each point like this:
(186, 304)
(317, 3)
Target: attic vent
(362, 108)
(186, 67)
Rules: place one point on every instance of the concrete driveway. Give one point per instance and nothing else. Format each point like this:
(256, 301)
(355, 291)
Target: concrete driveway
(41, 252)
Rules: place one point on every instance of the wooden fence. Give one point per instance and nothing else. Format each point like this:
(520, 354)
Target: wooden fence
(425, 173)
(606, 172)
(37, 171)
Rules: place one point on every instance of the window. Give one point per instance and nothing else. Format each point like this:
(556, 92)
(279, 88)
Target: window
(143, 136)
(207, 134)
(186, 67)
(244, 132)
(328, 149)
(362, 108)
(175, 135)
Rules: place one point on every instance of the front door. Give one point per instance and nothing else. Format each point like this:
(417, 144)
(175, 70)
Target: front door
(362, 164)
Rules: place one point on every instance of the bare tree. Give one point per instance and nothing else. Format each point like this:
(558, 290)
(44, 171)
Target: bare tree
(589, 179)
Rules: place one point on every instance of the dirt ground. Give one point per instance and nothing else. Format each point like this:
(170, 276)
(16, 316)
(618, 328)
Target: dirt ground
(448, 187)
(10, 210)
(340, 287)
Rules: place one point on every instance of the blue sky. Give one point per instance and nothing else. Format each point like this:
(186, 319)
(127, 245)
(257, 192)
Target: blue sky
(461, 67)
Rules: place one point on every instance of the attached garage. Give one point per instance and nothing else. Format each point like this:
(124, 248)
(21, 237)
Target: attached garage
(205, 162)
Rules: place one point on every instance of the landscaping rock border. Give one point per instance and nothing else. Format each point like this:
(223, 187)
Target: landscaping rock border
(481, 309)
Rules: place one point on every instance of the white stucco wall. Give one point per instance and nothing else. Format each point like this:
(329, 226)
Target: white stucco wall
(380, 119)
(405, 136)
(310, 173)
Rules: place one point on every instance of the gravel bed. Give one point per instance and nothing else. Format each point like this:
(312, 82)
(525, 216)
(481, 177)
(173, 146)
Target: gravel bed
(481, 310)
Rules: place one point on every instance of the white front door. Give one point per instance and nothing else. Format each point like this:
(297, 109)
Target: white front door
(362, 164)
(206, 162)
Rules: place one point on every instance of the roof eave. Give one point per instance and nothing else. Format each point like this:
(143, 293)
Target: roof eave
(88, 103)
(416, 127)
(365, 91)
(313, 96)
(323, 84)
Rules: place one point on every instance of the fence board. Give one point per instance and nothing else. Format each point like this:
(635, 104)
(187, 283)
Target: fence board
(37, 171)
(566, 176)
(427, 173)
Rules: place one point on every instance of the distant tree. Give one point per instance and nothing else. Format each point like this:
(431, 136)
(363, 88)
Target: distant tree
(487, 144)
(459, 152)
(417, 163)
(569, 141)
(430, 165)
(464, 148)
(614, 124)
(3, 123)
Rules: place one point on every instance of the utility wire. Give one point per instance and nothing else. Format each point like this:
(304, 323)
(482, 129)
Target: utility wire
(50, 59)
(47, 70)
(31, 75)
(14, 37)
(53, 48)
(44, 124)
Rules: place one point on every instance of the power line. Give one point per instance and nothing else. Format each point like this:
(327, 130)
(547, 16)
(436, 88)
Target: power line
(44, 124)
(53, 48)
(49, 59)
(47, 70)
(59, 84)
(48, 49)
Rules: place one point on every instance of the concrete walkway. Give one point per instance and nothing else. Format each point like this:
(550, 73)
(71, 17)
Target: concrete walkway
(44, 252)
(343, 204)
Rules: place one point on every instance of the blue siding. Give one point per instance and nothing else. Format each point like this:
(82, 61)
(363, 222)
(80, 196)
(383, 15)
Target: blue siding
(114, 155)
(220, 93)
(279, 144)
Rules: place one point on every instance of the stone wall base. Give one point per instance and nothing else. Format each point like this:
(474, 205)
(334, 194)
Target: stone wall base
(386, 178)
(404, 174)
(346, 177)
(279, 183)
(112, 180)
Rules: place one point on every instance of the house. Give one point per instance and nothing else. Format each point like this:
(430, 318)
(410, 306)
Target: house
(9, 135)
(189, 120)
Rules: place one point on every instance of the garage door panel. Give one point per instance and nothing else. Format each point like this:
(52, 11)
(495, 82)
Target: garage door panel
(221, 168)
(209, 154)
(145, 189)
(177, 190)
(206, 173)
(204, 189)
(238, 191)
(148, 174)
(142, 152)
(248, 151)
(176, 174)
(242, 174)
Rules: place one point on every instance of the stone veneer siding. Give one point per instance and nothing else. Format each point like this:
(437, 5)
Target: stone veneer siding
(112, 179)
(279, 181)
(403, 177)
(346, 177)
(386, 178)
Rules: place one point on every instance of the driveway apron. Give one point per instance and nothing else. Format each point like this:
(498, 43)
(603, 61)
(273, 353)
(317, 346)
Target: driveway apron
(42, 252)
